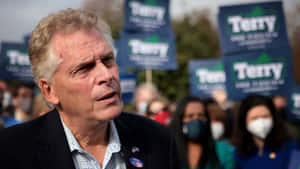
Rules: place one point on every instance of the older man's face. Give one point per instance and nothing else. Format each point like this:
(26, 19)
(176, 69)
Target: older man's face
(87, 81)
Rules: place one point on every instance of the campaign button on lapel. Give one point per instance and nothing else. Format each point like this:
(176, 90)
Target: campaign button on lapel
(136, 162)
(272, 155)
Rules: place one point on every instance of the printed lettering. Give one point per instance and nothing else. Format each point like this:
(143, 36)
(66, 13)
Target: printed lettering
(240, 24)
(17, 58)
(248, 71)
(149, 48)
(206, 76)
(139, 9)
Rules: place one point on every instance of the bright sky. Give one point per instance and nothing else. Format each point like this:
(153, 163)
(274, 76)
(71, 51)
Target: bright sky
(19, 17)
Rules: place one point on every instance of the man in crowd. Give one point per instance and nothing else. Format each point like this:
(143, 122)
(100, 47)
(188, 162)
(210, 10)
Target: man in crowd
(73, 63)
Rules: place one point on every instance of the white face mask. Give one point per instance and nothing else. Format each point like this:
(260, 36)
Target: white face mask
(260, 127)
(142, 107)
(7, 99)
(217, 130)
(25, 104)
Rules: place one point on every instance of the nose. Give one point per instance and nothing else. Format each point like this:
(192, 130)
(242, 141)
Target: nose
(103, 74)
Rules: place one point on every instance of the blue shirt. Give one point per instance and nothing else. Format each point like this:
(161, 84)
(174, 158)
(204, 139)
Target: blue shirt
(83, 160)
(10, 121)
(269, 159)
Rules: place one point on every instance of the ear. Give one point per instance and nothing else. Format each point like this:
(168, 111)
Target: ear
(48, 91)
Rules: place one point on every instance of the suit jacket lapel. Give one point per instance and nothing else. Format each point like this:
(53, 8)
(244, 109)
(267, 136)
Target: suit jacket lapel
(133, 147)
(53, 150)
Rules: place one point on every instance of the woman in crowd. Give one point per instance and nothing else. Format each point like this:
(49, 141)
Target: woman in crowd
(196, 148)
(220, 127)
(260, 138)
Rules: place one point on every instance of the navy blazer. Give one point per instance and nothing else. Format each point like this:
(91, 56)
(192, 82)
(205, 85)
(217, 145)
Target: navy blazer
(42, 144)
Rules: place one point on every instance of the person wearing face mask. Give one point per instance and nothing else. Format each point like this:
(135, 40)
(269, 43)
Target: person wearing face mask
(280, 102)
(23, 102)
(143, 95)
(220, 127)
(196, 147)
(260, 137)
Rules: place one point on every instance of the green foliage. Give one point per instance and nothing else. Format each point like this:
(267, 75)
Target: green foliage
(196, 38)
(115, 27)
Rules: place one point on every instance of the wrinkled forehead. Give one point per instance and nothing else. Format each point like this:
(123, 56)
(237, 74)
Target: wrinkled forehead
(79, 40)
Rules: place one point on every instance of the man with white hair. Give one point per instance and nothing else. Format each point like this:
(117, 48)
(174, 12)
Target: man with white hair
(73, 63)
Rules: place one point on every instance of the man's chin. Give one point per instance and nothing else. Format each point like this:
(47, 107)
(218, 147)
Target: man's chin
(109, 114)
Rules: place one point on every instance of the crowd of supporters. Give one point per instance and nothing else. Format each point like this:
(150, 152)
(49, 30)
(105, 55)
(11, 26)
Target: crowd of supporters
(210, 133)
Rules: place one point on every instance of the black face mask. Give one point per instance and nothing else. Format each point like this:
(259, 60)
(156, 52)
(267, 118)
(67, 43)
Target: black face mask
(195, 130)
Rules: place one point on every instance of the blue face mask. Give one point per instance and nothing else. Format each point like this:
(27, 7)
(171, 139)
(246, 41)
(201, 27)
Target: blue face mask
(195, 130)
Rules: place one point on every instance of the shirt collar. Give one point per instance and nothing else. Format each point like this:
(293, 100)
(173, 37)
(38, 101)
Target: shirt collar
(113, 146)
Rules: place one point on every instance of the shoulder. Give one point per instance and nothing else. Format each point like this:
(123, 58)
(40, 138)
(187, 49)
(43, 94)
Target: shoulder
(150, 137)
(225, 152)
(238, 157)
(290, 144)
(21, 134)
(224, 145)
(142, 128)
(138, 123)
(19, 142)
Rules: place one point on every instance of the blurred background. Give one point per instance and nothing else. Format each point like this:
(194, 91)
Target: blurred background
(164, 95)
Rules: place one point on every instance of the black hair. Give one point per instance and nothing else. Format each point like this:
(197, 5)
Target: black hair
(209, 152)
(242, 138)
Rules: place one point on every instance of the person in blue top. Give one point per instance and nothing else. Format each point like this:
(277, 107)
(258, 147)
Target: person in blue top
(260, 138)
(195, 145)
(8, 116)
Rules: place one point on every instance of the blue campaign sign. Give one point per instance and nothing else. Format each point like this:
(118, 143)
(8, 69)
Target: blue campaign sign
(268, 72)
(251, 27)
(128, 86)
(117, 55)
(293, 104)
(26, 39)
(154, 50)
(14, 62)
(206, 76)
(147, 15)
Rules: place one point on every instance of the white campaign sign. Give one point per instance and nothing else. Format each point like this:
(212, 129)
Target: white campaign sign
(139, 9)
(206, 76)
(17, 58)
(258, 71)
(296, 99)
(149, 48)
(252, 24)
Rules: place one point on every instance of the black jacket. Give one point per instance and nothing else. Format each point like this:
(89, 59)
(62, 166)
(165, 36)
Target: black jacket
(42, 144)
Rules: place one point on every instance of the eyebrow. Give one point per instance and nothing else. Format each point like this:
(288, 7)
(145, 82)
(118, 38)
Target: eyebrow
(107, 54)
(82, 64)
(88, 60)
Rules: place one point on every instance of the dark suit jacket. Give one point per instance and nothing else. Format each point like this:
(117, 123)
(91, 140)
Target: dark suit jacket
(42, 144)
